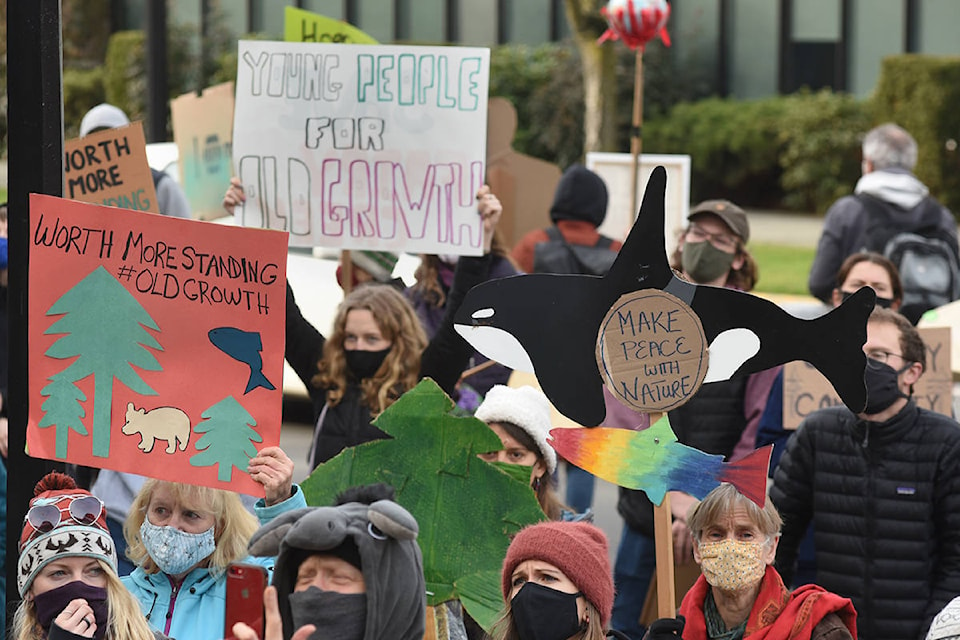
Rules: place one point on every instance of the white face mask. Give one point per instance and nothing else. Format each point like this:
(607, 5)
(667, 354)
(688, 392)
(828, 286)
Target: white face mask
(732, 565)
(175, 551)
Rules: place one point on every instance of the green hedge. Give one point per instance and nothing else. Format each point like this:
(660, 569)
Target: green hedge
(545, 84)
(125, 70)
(82, 89)
(800, 151)
(733, 146)
(922, 94)
(820, 136)
(125, 73)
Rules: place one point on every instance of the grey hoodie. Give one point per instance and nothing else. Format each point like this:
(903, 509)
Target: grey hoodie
(385, 534)
(846, 225)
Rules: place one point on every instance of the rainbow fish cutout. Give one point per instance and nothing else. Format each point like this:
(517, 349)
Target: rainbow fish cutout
(653, 461)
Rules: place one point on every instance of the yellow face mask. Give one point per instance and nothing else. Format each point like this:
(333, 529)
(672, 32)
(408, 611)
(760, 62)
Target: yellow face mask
(732, 565)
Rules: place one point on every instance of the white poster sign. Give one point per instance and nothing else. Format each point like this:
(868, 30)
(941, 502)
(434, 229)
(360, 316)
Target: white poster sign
(363, 146)
(616, 170)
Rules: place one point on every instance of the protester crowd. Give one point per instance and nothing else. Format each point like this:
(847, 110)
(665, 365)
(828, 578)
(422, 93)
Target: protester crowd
(863, 509)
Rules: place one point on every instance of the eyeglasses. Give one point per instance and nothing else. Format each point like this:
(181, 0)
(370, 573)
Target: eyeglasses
(722, 241)
(879, 355)
(82, 510)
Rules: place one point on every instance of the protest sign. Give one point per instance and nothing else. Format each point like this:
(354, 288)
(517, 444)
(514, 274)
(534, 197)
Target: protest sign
(616, 169)
(805, 390)
(203, 131)
(651, 351)
(362, 146)
(110, 167)
(306, 26)
(156, 344)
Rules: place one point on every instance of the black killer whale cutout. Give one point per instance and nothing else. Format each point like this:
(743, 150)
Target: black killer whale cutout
(548, 323)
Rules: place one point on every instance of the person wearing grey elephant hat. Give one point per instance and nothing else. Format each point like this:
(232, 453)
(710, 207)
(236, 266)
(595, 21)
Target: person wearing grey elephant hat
(353, 570)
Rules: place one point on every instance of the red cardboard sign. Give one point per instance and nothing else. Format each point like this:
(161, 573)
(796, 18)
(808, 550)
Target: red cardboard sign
(156, 344)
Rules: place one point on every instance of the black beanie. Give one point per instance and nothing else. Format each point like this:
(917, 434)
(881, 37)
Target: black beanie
(581, 195)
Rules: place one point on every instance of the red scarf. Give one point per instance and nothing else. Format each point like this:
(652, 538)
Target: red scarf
(777, 613)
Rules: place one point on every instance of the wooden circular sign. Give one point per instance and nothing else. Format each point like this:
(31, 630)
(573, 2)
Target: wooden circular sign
(651, 350)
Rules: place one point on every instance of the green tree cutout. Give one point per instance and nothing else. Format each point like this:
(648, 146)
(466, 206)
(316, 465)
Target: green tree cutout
(467, 509)
(63, 409)
(227, 438)
(105, 329)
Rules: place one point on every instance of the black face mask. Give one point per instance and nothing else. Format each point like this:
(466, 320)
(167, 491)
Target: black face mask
(337, 616)
(51, 603)
(363, 364)
(883, 387)
(881, 302)
(542, 613)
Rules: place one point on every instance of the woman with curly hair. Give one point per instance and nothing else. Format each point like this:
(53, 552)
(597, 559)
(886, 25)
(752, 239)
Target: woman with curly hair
(67, 571)
(182, 537)
(378, 350)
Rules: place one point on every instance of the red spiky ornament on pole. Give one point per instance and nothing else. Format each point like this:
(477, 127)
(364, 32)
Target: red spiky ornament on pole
(636, 22)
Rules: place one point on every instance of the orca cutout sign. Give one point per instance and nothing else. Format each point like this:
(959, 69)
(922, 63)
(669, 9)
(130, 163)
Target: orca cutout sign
(549, 323)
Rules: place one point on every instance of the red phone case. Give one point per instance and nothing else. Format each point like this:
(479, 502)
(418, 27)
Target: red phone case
(245, 585)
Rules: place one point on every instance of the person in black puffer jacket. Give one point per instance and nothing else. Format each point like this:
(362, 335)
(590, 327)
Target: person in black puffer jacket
(882, 489)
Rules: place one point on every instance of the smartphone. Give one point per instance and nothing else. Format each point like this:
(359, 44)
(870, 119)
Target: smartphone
(245, 585)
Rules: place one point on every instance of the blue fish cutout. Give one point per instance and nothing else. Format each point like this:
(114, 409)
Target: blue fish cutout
(548, 323)
(242, 346)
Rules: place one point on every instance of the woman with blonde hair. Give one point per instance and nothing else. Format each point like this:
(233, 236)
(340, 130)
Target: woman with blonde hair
(182, 537)
(67, 571)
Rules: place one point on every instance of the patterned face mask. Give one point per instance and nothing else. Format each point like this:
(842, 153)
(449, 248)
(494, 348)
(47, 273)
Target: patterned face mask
(732, 565)
(175, 551)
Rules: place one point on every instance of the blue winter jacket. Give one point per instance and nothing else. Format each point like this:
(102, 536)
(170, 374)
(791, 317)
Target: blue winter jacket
(196, 609)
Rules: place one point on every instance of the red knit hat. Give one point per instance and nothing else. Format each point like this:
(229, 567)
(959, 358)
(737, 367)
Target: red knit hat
(66, 529)
(578, 549)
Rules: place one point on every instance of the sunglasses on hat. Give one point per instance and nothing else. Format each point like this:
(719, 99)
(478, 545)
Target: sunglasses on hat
(84, 509)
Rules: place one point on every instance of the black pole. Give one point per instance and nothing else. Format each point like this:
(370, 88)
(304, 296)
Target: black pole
(35, 129)
(157, 90)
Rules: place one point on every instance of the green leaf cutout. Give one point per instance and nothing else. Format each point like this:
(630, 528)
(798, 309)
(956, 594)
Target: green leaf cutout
(467, 509)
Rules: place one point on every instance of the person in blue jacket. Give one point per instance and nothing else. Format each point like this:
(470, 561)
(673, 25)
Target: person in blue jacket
(182, 538)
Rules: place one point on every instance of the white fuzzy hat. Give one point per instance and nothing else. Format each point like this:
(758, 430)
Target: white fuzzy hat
(525, 407)
(946, 624)
(103, 116)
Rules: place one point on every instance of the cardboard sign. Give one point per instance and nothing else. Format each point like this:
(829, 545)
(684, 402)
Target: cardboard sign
(306, 26)
(946, 316)
(525, 185)
(110, 167)
(363, 146)
(805, 390)
(155, 343)
(651, 351)
(203, 131)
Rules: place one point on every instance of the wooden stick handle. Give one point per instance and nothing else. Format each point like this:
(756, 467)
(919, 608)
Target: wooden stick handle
(663, 539)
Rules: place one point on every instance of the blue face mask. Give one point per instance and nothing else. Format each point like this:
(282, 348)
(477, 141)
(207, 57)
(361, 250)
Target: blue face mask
(4, 261)
(175, 551)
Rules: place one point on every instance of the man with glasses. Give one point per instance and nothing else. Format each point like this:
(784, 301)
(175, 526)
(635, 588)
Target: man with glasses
(882, 489)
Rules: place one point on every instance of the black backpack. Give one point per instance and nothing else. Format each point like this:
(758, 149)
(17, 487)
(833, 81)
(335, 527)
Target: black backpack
(928, 263)
(556, 255)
